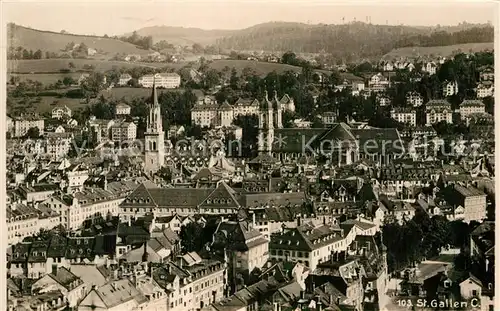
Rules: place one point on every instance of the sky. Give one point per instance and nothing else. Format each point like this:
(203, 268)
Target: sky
(118, 17)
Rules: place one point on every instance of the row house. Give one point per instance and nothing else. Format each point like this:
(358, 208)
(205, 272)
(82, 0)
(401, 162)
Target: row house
(469, 107)
(437, 111)
(25, 221)
(404, 115)
(89, 205)
(167, 80)
(414, 99)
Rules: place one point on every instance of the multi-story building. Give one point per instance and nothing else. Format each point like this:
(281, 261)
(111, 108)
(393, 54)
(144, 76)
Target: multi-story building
(414, 99)
(469, 107)
(61, 112)
(192, 282)
(307, 244)
(404, 115)
(246, 107)
(24, 123)
(470, 198)
(58, 145)
(450, 88)
(123, 131)
(122, 109)
(485, 89)
(92, 205)
(437, 111)
(26, 220)
(167, 80)
(124, 79)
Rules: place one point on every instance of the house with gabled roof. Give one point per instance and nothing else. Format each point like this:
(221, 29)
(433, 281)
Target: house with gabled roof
(61, 279)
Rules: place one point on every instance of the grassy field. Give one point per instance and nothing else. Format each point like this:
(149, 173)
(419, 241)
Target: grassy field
(46, 41)
(438, 50)
(46, 105)
(54, 65)
(44, 78)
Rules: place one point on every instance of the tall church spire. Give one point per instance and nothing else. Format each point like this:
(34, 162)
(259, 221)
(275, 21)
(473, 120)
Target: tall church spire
(154, 95)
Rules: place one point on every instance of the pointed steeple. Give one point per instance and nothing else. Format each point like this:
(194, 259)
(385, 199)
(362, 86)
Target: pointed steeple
(154, 95)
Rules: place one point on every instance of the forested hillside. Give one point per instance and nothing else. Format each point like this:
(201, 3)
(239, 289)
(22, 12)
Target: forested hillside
(350, 41)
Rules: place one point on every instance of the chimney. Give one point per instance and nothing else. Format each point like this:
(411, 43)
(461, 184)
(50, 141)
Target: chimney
(319, 305)
(253, 220)
(54, 269)
(298, 221)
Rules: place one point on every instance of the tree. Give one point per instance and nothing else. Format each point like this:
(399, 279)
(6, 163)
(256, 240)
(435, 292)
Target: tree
(26, 54)
(33, 133)
(197, 48)
(133, 82)
(211, 79)
(37, 54)
(47, 55)
(289, 58)
(67, 81)
(192, 237)
(71, 65)
(93, 84)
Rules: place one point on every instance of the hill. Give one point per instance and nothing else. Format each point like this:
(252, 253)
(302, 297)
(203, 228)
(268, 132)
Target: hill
(47, 41)
(348, 41)
(183, 36)
(412, 52)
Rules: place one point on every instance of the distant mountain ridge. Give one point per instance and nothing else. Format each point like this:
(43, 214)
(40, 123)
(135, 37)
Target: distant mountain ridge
(183, 36)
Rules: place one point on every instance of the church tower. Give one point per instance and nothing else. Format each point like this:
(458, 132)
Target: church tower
(270, 118)
(154, 138)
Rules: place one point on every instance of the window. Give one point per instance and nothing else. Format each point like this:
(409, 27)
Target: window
(474, 292)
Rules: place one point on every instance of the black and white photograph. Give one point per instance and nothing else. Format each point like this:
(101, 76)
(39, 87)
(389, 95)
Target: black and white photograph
(249, 155)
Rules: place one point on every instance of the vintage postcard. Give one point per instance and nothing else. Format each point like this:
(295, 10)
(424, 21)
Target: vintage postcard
(249, 156)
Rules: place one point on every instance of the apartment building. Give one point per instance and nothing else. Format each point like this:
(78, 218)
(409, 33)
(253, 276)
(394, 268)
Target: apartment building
(404, 115)
(307, 244)
(192, 282)
(470, 107)
(167, 80)
(437, 111)
(24, 123)
(122, 131)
